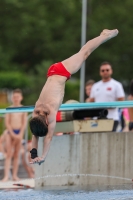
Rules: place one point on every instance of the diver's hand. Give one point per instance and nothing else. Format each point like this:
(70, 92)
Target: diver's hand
(37, 160)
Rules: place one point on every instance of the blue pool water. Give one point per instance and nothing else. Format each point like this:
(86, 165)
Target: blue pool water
(124, 192)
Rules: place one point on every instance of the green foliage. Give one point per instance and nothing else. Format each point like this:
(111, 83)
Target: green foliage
(38, 33)
(34, 30)
(13, 80)
(72, 91)
(118, 51)
(37, 82)
(2, 125)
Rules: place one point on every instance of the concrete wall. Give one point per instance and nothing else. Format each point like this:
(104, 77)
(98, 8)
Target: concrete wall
(108, 154)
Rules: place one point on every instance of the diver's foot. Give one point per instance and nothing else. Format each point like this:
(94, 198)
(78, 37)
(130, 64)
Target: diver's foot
(108, 34)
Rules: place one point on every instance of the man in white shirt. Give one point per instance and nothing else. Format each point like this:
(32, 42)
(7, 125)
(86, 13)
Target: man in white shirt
(108, 90)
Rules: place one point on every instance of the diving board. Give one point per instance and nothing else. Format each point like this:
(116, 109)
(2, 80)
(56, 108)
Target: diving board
(73, 106)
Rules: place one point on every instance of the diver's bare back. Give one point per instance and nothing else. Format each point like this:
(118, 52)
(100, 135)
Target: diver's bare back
(53, 92)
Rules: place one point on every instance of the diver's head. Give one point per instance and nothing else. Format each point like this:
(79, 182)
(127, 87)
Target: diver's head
(38, 126)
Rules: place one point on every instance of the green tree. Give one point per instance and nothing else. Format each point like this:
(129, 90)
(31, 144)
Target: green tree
(118, 51)
(36, 33)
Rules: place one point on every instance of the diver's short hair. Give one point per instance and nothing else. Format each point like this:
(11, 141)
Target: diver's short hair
(38, 126)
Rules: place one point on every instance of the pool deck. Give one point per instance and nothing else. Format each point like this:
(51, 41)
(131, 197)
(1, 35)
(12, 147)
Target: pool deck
(24, 181)
(22, 184)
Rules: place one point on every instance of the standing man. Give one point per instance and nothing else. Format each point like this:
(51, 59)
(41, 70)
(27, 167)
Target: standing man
(15, 126)
(43, 120)
(108, 90)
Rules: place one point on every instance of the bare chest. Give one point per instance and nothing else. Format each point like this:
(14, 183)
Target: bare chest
(16, 120)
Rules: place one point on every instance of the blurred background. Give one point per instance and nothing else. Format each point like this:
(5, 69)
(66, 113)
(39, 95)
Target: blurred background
(36, 33)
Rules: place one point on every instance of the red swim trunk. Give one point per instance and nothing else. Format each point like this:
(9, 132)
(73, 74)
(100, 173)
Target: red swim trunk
(58, 69)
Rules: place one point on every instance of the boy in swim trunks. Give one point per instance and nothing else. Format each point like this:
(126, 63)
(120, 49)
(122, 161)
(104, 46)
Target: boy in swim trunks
(15, 126)
(44, 115)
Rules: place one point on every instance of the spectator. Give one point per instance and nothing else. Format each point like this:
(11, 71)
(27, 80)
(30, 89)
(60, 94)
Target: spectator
(88, 87)
(130, 110)
(25, 154)
(15, 125)
(125, 115)
(108, 90)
